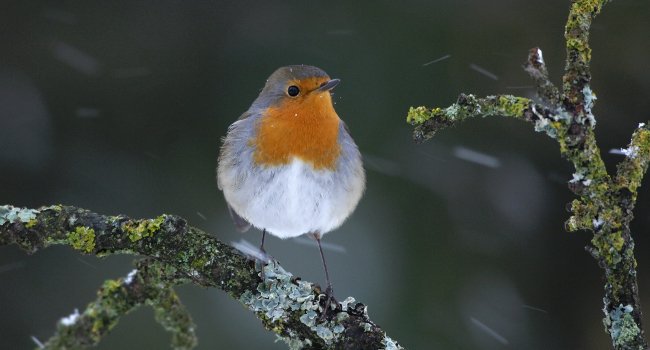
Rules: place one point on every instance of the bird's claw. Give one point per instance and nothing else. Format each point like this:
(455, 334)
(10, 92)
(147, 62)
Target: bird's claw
(329, 298)
(262, 260)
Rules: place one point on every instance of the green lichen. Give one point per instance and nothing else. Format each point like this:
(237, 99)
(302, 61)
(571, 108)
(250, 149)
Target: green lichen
(621, 325)
(587, 7)
(82, 238)
(606, 246)
(171, 314)
(31, 223)
(583, 216)
(98, 327)
(578, 23)
(613, 216)
(418, 115)
(512, 106)
(199, 263)
(105, 311)
(581, 47)
(139, 229)
(576, 34)
(631, 170)
(617, 240)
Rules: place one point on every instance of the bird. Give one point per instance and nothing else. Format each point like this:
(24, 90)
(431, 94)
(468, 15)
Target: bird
(289, 166)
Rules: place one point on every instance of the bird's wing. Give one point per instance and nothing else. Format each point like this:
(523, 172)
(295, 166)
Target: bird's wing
(226, 141)
(240, 223)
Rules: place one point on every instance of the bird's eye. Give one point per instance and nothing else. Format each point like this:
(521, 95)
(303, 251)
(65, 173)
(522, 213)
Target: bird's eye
(293, 91)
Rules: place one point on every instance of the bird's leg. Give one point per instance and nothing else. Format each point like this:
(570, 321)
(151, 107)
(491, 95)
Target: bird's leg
(329, 291)
(262, 263)
(262, 244)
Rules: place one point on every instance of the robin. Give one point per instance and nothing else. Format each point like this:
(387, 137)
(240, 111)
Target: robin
(288, 165)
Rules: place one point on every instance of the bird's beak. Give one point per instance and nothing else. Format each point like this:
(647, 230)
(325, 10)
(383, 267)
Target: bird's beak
(328, 85)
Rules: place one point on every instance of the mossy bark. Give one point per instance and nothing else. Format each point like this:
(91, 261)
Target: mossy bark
(605, 203)
(177, 253)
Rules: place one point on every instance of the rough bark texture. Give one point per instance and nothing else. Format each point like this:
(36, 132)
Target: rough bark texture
(176, 253)
(605, 203)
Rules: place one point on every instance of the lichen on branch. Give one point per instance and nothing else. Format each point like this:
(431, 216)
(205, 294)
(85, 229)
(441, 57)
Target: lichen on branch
(605, 203)
(177, 253)
(428, 121)
(149, 284)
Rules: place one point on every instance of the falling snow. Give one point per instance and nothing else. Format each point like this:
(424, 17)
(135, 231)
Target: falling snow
(484, 71)
(437, 60)
(476, 157)
(250, 250)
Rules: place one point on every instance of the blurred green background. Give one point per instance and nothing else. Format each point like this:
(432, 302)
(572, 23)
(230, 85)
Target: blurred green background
(119, 107)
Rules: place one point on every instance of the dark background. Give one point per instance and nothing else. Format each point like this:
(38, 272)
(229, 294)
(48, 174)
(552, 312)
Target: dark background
(119, 107)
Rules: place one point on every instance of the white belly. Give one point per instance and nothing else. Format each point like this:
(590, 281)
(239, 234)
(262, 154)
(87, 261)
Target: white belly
(292, 200)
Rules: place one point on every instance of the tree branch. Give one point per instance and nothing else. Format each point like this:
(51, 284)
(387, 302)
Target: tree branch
(536, 68)
(605, 205)
(177, 254)
(149, 284)
(577, 74)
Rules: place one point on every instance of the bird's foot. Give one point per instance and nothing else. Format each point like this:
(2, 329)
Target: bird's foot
(261, 264)
(327, 312)
(262, 274)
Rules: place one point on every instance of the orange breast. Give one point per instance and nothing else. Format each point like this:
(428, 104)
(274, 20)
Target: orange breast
(305, 128)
